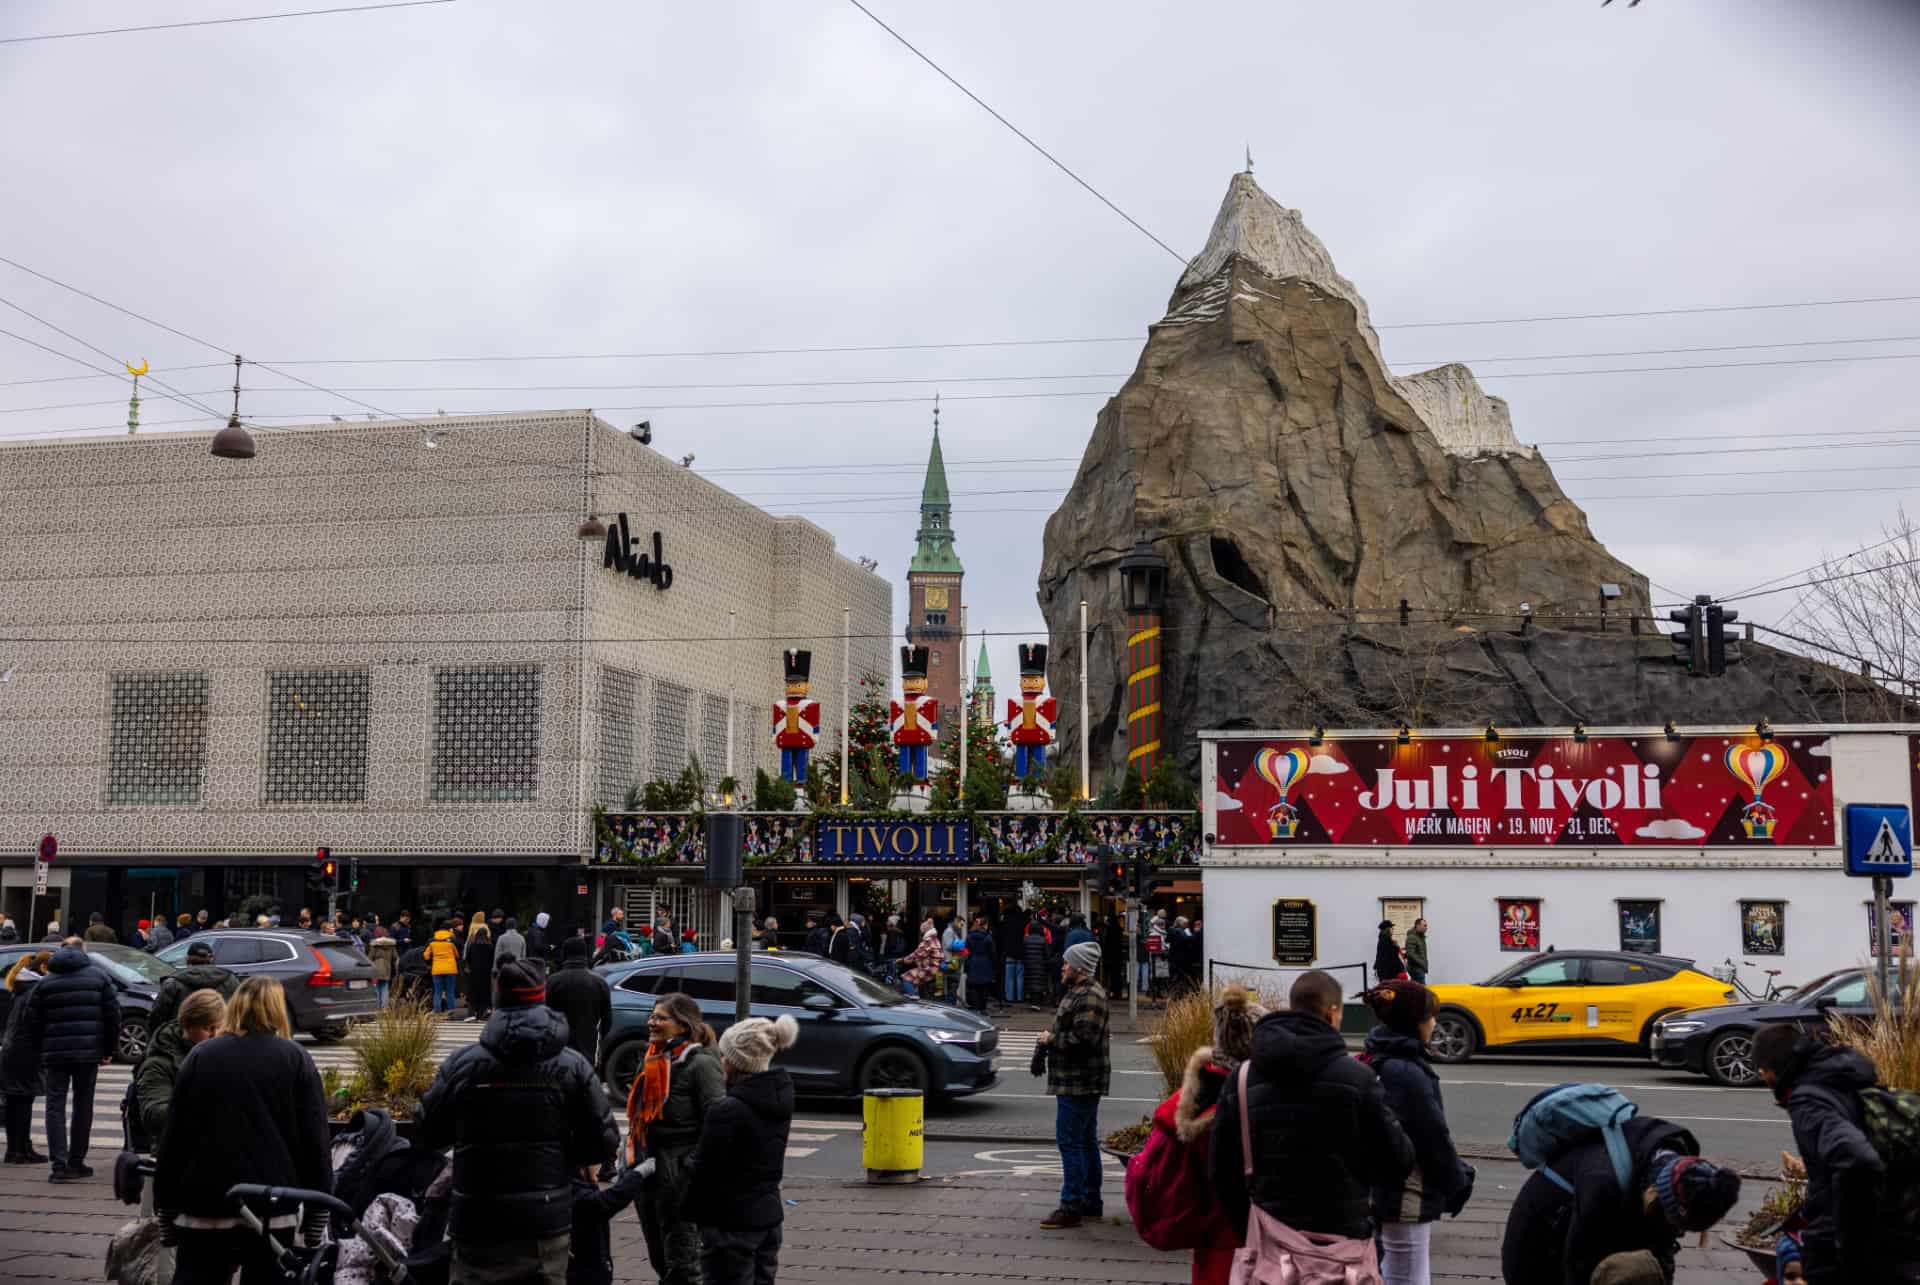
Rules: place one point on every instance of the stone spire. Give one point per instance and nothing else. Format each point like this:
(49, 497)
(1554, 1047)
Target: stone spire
(980, 700)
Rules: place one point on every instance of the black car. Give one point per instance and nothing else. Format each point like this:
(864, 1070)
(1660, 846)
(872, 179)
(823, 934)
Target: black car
(327, 979)
(855, 1033)
(136, 981)
(1717, 1042)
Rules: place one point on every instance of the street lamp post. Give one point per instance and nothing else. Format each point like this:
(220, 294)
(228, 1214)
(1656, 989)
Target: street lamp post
(1143, 592)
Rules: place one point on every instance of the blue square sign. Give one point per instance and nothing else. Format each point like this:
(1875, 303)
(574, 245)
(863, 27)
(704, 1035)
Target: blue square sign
(1879, 839)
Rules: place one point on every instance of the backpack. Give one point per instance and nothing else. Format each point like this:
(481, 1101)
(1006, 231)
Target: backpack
(1170, 1197)
(1275, 1252)
(1891, 1120)
(1567, 1115)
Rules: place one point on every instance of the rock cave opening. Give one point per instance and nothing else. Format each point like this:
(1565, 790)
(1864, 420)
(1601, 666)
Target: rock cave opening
(1231, 565)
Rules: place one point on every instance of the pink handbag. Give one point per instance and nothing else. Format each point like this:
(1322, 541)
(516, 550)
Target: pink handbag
(1276, 1254)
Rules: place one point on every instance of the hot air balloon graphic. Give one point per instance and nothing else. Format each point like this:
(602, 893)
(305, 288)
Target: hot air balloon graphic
(1281, 769)
(1755, 766)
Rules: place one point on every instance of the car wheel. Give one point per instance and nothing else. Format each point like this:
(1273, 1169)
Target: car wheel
(132, 1044)
(1730, 1060)
(1454, 1039)
(893, 1067)
(623, 1064)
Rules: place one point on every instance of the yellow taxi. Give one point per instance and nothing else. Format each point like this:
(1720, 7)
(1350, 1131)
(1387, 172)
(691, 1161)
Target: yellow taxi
(1569, 1001)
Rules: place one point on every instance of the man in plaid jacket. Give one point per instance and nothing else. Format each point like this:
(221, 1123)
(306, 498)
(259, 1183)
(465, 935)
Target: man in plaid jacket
(1079, 1072)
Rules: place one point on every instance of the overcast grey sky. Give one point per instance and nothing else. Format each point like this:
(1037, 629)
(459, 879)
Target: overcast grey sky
(498, 177)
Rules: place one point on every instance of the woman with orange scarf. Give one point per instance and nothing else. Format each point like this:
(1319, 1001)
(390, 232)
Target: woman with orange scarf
(666, 1107)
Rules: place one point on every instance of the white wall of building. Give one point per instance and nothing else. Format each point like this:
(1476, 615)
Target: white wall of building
(1700, 890)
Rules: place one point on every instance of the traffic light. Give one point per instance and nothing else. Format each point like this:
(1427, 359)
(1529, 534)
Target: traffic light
(353, 874)
(1718, 618)
(329, 868)
(1144, 875)
(1690, 640)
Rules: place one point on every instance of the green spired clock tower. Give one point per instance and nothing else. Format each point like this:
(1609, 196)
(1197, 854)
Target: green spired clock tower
(933, 594)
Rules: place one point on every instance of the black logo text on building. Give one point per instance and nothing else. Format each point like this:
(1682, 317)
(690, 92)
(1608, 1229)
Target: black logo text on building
(622, 557)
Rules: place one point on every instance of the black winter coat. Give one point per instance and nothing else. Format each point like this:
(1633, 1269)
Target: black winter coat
(1845, 1237)
(1412, 1090)
(1034, 946)
(1323, 1135)
(1387, 963)
(478, 965)
(590, 1256)
(1554, 1238)
(174, 990)
(737, 1166)
(245, 1108)
(583, 997)
(74, 1015)
(983, 959)
(19, 1055)
(521, 1111)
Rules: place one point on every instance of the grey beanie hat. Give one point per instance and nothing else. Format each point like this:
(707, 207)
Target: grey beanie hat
(1084, 958)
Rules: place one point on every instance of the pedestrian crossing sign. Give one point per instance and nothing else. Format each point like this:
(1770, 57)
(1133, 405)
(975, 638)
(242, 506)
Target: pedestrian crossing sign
(1879, 839)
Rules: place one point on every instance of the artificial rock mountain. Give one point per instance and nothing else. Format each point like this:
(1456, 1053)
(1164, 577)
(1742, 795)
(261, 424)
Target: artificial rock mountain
(1300, 492)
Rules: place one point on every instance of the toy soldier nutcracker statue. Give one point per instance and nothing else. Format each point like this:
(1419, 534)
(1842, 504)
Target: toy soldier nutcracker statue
(1031, 718)
(796, 720)
(915, 717)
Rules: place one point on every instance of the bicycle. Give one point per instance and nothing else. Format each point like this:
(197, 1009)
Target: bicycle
(1773, 991)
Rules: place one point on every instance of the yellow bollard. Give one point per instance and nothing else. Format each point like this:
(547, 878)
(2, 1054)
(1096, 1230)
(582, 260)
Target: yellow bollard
(893, 1141)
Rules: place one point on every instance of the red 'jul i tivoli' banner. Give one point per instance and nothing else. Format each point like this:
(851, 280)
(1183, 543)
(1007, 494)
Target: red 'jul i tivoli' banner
(1705, 791)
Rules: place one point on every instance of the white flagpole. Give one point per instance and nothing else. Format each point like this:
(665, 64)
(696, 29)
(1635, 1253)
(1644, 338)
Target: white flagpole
(733, 680)
(846, 681)
(965, 712)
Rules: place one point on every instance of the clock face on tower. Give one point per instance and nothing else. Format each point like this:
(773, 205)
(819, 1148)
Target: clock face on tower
(936, 598)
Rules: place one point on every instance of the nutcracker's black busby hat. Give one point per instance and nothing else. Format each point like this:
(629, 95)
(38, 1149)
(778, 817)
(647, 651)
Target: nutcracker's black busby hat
(1033, 660)
(913, 662)
(799, 665)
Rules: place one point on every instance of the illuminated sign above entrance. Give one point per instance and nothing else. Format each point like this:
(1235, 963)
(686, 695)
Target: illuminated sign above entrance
(850, 841)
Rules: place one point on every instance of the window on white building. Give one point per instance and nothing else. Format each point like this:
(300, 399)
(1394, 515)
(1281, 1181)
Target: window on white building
(619, 706)
(672, 705)
(486, 734)
(157, 751)
(317, 735)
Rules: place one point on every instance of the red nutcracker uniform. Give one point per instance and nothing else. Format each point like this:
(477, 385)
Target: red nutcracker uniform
(916, 722)
(796, 720)
(1031, 718)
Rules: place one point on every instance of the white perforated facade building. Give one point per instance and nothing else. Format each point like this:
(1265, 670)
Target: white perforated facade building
(402, 651)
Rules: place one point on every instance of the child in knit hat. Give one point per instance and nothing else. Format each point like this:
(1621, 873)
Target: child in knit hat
(734, 1189)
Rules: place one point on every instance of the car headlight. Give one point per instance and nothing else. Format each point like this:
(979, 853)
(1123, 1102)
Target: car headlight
(941, 1036)
(1679, 1028)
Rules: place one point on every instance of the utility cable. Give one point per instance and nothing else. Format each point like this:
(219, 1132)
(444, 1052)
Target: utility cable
(1020, 134)
(220, 22)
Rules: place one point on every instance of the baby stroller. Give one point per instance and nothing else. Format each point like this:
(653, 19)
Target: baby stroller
(302, 1265)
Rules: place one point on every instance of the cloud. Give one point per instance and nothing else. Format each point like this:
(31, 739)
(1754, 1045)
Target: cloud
(1224, 802)
(1325, 765)
(1670, 828)
(1821, 749)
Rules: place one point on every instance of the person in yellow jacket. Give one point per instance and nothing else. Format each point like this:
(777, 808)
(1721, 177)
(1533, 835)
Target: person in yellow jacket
(444, 957)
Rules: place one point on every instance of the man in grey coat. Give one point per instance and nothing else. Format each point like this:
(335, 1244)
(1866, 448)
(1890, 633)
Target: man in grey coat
(509, 946)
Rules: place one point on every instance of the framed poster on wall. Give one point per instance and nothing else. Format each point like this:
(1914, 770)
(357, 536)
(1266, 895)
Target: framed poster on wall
(1763, 927)
(1639, 926)
(1296, 932)
(1402, 913)
(1519, 924)
(1900, 932)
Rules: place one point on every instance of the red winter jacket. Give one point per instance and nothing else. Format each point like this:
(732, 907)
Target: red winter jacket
(1169, 1194)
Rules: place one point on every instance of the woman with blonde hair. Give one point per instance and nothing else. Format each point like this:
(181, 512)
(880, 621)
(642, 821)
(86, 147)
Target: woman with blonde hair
(477, 959)
(666, 1107)
(19, 1060)
(247, 1108)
